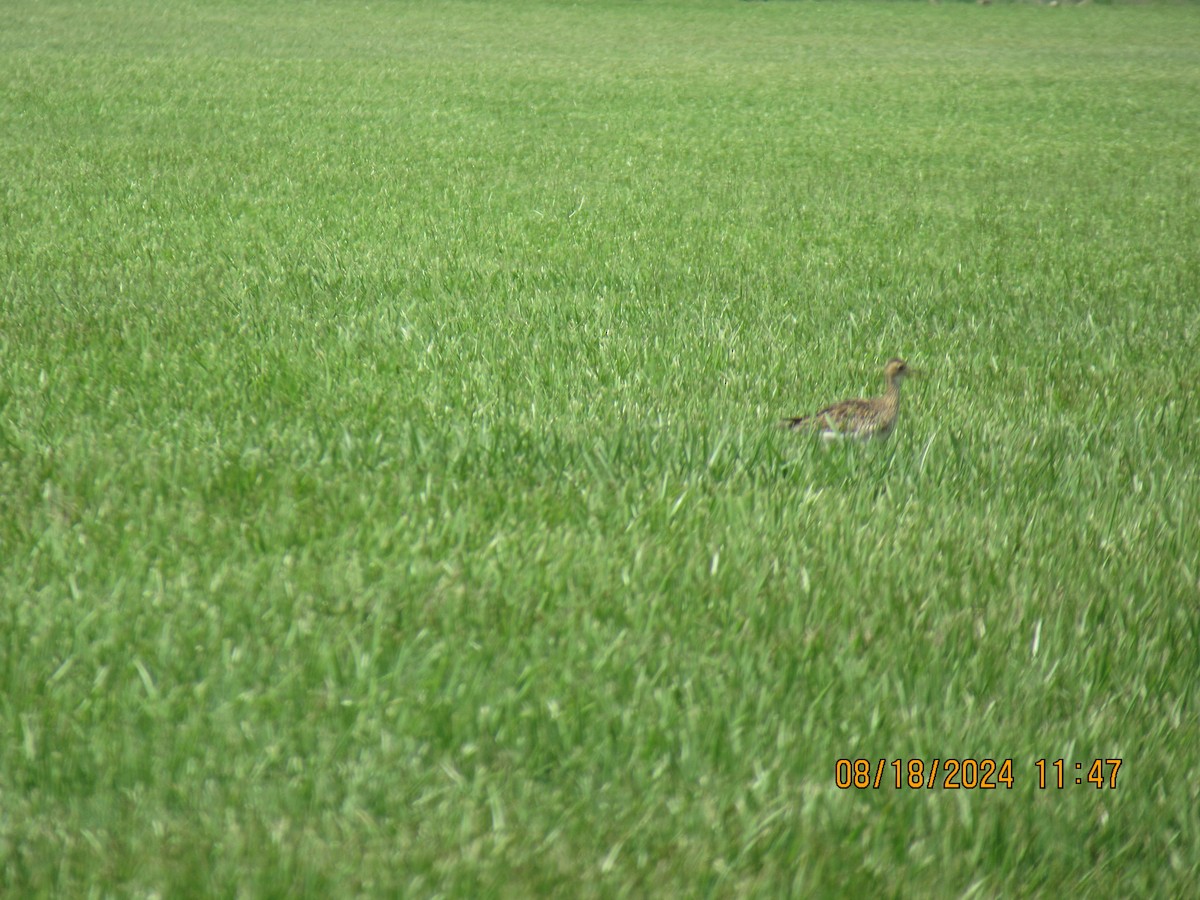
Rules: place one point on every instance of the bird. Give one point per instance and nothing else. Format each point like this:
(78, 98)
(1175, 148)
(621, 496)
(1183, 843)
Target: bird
(874, 417)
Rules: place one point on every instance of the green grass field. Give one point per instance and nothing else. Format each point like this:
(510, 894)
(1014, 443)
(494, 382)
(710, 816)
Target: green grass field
(391, 501)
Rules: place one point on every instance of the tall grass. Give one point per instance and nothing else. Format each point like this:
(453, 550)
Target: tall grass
(389, 494)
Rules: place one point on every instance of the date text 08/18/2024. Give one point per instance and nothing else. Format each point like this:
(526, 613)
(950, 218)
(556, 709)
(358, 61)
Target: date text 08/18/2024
(971, 774)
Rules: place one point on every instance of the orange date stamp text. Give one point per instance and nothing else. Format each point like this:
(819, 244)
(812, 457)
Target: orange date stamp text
(969, 773)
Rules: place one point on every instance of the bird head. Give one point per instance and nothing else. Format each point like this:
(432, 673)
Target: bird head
(896, 370)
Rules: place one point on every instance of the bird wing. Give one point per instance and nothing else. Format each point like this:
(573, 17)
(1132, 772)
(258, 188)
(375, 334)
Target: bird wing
(838, 417)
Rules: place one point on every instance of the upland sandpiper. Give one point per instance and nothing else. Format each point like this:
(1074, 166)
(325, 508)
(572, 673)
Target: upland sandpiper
(864, 419)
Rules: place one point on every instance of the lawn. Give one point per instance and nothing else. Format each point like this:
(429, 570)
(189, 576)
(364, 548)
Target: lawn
(392, 501)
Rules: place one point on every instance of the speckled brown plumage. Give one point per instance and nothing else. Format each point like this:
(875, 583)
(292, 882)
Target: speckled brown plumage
(871, 418)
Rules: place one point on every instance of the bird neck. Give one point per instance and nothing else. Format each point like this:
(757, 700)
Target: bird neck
(892, 395)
